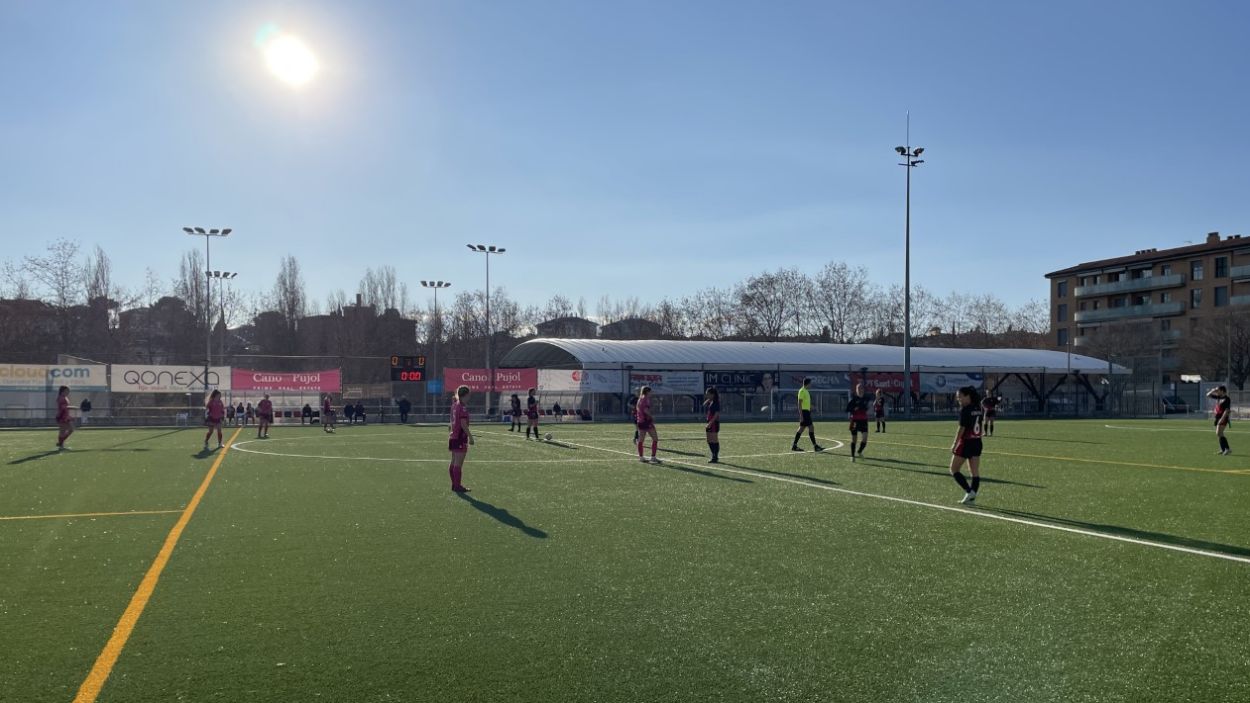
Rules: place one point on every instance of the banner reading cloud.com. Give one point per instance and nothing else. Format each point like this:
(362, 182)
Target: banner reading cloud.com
(168, 379)
(38, 377)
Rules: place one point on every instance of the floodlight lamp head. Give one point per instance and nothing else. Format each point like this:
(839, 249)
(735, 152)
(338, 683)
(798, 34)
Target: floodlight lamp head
(901, 150)
(471, 247)
(501, 250)
(226, 231)
(214, 231)
(917, 162)
(200, 230)
(188, 230)
(918, 151)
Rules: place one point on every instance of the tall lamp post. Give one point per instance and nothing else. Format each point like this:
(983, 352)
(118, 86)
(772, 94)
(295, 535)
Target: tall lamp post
(437, 331)
(222, 276)
(208, 316)
(910, 161)
(490, 337)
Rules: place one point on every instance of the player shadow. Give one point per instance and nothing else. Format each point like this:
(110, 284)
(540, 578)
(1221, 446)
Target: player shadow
(947, 435)
(205, 453)
(946, 473)
(701, 455)
(781, 474)
(33, 457)
(132, 449)
(1117, 530)
(146, 439)
(701, 472)
(502, 515)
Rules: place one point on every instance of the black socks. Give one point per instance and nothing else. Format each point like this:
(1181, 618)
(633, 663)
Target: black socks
(1224, 443)
(797, 436)
(715, 447)
(963, 482)
(976, 483)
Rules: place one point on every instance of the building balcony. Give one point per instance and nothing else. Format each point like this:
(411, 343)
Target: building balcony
(1170, 338)
(1131, 285)
(1240, 273)
(1083, 341)
(1239, 300)
(1129, 312)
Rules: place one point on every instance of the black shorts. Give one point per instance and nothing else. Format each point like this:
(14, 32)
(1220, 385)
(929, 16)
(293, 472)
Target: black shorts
(967, 448)
(859, 425)
(805, 418)
(713, 426)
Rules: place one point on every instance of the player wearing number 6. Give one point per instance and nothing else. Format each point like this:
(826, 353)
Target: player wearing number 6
(459, 438)
(967, 446)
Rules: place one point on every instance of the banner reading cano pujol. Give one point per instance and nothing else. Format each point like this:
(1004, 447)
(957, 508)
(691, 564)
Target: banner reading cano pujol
(168, 379)
(328, 381)
(478, 380)
(38, 377)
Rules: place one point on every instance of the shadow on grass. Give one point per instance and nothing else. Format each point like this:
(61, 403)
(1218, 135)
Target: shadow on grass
(701, 472)
(947, 435)
(945, 472)
(683, 453)
(146, 439)
(502, 516)
(132, 449)
(1119, 531)
(33, 457)
(782, 474)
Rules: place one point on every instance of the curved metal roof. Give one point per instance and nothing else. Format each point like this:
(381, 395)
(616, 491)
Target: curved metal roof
(678, 355)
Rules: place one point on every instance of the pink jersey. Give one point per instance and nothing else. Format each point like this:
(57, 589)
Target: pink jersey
(264, 407)
(325, 407)
(216, 410)
(62, 409)
(459, 416)
(643, 412)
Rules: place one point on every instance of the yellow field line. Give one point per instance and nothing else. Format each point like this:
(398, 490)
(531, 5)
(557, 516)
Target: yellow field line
(74, 515)
(90, 689)
(1079, 459)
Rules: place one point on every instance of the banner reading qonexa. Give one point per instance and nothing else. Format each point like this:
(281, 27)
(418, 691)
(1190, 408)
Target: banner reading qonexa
(168, 379)
(38, 377)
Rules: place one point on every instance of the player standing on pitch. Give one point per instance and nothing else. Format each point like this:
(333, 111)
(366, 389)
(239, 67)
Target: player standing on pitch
(711, 406)
(646, 424)
(857, 411)
(515, 425)
(459, 438)
(1222, 412)
(327, 414)
(64, 422)
(215, 414)
(264, 415)
(531, 412)
(989, 409)
(878, 410)
(805, 419)
(967, 446)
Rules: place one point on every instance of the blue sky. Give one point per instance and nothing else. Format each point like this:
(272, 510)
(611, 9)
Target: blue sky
(625, 148)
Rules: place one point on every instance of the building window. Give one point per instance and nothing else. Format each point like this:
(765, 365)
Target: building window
(1063, 289)
(1165, 324)
(1141, 299)
(1221, 296)
(1221, 267)
(1082, 307)
(1062, 314)
(1083, 281)
(1195, 270)
(1119, 302)
(1141, 273)
(1165, 270)
(1195, 298)
(1097, 304)
(1165, 297)
(1063, 336)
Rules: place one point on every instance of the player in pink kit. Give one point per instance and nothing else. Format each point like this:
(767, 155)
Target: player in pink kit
(646, 424)
(459, 438)
(215, 414)
(327, 414)
(63, 420)
(264, 415)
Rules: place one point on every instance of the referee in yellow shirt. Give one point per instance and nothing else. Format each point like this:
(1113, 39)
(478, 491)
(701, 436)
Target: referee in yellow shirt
(805, 419)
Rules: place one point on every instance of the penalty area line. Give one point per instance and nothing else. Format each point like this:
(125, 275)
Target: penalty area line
(953, 509)
(70, 516)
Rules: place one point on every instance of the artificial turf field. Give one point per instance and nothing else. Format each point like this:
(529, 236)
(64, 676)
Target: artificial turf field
(341, 568)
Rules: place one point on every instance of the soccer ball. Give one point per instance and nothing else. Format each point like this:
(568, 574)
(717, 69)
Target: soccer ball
(764, 409)
(547, 437)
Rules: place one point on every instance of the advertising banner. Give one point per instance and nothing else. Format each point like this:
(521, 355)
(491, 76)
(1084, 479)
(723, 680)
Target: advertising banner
(328, 381)
(821, 380)
(949, 382)
(478, 380)
(745, 382)
(168, 379)
(668, 382)
(40, 377)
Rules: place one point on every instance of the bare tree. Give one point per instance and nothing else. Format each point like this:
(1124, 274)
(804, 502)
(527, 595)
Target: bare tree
(190, 285)
(712, 313)
(839, 298)
(559, 306)
(380, 288)
(1220, 349)
(1033, 316)
(772, 304)
(13, 282)
(98, 276)
(59, 274)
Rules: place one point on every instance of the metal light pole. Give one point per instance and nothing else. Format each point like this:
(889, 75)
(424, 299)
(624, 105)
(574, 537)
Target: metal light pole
(208, 316)
(223, 276)
(910, 161)
(490, 337)
(438, 331)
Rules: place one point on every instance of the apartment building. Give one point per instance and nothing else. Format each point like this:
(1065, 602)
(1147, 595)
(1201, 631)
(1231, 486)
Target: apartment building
(1174, 291)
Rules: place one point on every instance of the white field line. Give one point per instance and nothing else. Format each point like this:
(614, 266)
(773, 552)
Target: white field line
(949, 508)
(1207, 430)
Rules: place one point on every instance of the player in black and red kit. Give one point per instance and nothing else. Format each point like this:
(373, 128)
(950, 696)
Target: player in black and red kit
(989, 409)
(878, 410)
(711, 405)
(1223, 409)
(967, 446)
(857, 410)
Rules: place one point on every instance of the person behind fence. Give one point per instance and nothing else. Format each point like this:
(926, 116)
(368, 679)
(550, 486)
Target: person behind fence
(805, 418)
(305, 415)
(84, 410)
(631, 408)
(711, 406)
(1222, 413)
(515, 424)
(239, 417)
(64, 422)
(360, 413)
(857, 410)
(646, 425)
(230, 415)
(878, 410)
(989, 409)
(349, 413)
(459, 438)
(264, 415)
(967, 445)
(405, 407)
(214, 415)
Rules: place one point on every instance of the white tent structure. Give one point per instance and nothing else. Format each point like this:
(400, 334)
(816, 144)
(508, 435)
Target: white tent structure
(672, 355)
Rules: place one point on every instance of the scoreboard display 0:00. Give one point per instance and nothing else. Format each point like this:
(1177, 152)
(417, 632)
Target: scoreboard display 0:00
(407, 368)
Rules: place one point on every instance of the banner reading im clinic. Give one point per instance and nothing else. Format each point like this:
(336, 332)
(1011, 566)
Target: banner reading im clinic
(328, 381)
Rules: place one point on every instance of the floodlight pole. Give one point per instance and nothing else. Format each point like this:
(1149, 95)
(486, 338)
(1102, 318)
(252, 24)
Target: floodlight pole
(208, 315)
(910, 161)
(490, 337)
(223, 276)
(438, 322)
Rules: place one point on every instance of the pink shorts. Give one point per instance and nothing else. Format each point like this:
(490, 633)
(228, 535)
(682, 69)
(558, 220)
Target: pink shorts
(458, 445)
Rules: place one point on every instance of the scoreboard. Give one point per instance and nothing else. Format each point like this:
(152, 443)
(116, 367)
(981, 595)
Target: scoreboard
(407, 368)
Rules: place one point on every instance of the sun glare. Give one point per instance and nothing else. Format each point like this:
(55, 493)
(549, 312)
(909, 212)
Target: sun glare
(290, 60)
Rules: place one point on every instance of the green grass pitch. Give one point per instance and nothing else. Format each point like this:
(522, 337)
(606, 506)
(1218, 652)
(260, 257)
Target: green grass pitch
(1101, 563)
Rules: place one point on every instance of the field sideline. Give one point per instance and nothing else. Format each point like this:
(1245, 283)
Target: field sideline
(1106, 560)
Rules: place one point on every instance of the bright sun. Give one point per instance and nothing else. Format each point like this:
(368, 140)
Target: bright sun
(291, 60)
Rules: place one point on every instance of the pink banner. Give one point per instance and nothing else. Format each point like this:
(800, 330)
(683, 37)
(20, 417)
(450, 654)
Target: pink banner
(478, 380)
(330, 381)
